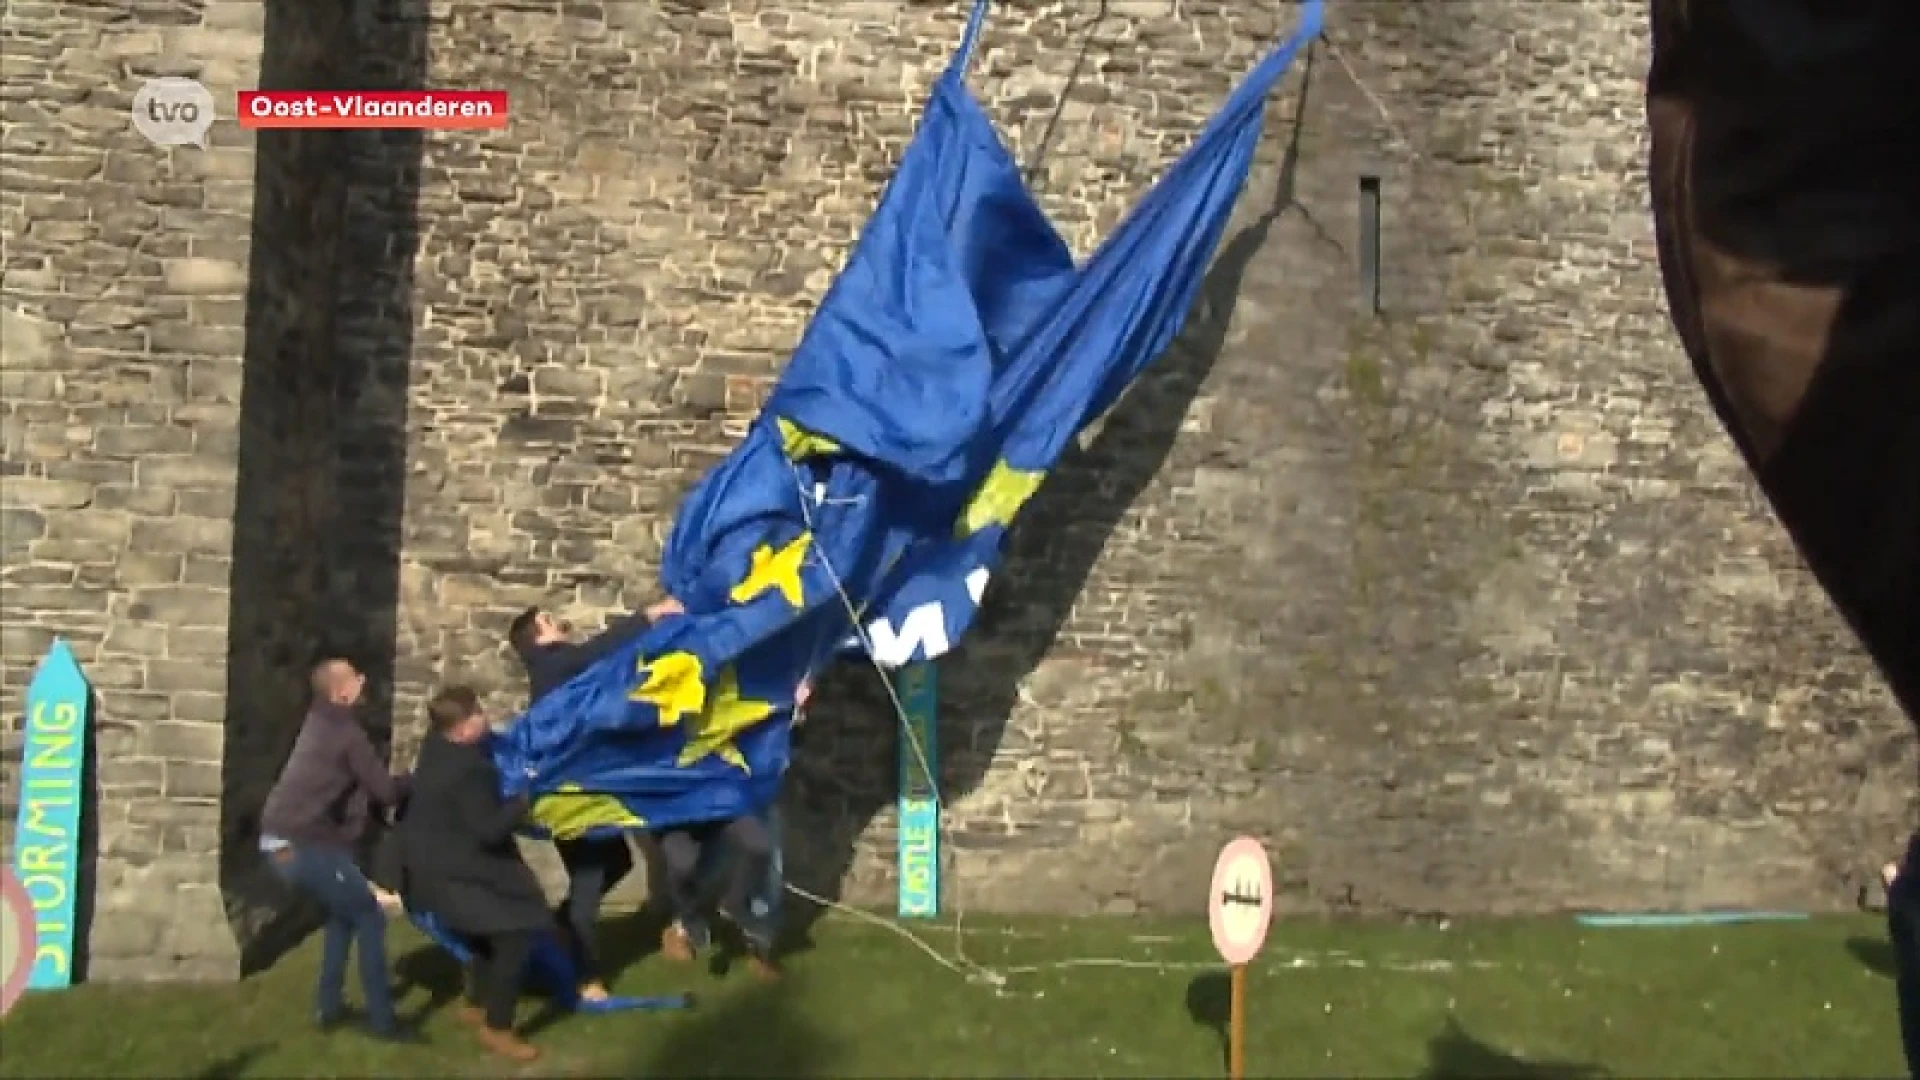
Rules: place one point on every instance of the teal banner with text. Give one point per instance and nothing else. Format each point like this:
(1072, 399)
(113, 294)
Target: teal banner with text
(46, 844)
(919, 793)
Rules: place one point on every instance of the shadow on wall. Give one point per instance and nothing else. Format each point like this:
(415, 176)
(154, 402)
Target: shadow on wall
(1051, 552)
(86, 885)
(322, 468)
(1033, 169)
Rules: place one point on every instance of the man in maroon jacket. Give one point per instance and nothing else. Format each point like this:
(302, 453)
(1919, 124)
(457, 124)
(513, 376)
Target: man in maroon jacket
(311, 825)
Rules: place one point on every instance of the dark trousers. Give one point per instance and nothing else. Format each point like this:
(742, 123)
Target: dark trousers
(750, 844)
(594, 867)
(498, 970)
(330, 877)
(1903, 926)
(1786, 201)
(768, 895)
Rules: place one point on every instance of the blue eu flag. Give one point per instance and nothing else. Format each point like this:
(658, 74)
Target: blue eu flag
(945, 372)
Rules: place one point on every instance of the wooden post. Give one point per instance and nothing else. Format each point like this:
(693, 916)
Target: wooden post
(1237, 1023)
(1239, 910)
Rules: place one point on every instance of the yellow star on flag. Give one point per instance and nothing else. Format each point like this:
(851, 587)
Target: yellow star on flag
(800, 444)
(570, 812)
(776, 569)
(724, 718)
(1001, 496)
(672, 685)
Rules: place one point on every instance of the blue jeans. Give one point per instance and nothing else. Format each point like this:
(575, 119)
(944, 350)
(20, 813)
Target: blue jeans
(766, 900)
(330, 877)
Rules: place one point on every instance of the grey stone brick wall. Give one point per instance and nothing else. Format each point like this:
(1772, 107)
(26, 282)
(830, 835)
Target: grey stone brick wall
(1465, 606)
(120, 381)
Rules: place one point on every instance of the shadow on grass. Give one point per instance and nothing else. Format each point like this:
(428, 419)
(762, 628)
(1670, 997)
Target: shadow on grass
(1210, 1003)
(434, 970)
(1455, 1055)
(629, 937)
(548, 1014)
(1874, 954)
(233, 1066)
(755, 1033)
(624, 939)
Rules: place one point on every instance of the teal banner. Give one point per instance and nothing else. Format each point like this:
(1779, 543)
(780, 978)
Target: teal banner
(46, 845)
(919, 793)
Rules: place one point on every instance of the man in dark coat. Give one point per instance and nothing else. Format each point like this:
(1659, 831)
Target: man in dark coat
(594, 864)
(1786, 200)
(312, 822)
(459, 861)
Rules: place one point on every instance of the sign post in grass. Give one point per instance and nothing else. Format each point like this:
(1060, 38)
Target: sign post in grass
(46, 840)
(1239, 910)
(919, 793)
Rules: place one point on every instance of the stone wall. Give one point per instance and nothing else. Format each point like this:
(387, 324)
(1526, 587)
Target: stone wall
(322, 453)
(203, 452)
(124, 321)
(1466, 605)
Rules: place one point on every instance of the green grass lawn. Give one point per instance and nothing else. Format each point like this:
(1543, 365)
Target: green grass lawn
(1493, 999)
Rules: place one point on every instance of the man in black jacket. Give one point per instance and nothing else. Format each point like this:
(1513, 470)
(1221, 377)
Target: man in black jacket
(552, 657)
(594, 864)
(459, 861)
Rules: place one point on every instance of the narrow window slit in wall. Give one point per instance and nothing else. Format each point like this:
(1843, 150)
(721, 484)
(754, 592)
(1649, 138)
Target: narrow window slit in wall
(1370, 245)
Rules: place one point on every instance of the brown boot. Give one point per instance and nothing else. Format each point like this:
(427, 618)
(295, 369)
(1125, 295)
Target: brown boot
(675, 944)
(507, 1045)
(764, 967)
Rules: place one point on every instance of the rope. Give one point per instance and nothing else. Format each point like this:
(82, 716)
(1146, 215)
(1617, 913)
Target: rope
(959, 963)
(1292, 961)
(1386, 116)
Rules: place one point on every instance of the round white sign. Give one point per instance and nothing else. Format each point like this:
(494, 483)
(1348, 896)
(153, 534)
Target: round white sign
(1240, 900)
(18, 937)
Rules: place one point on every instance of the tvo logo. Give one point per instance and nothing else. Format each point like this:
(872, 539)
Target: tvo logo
(173, 112)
